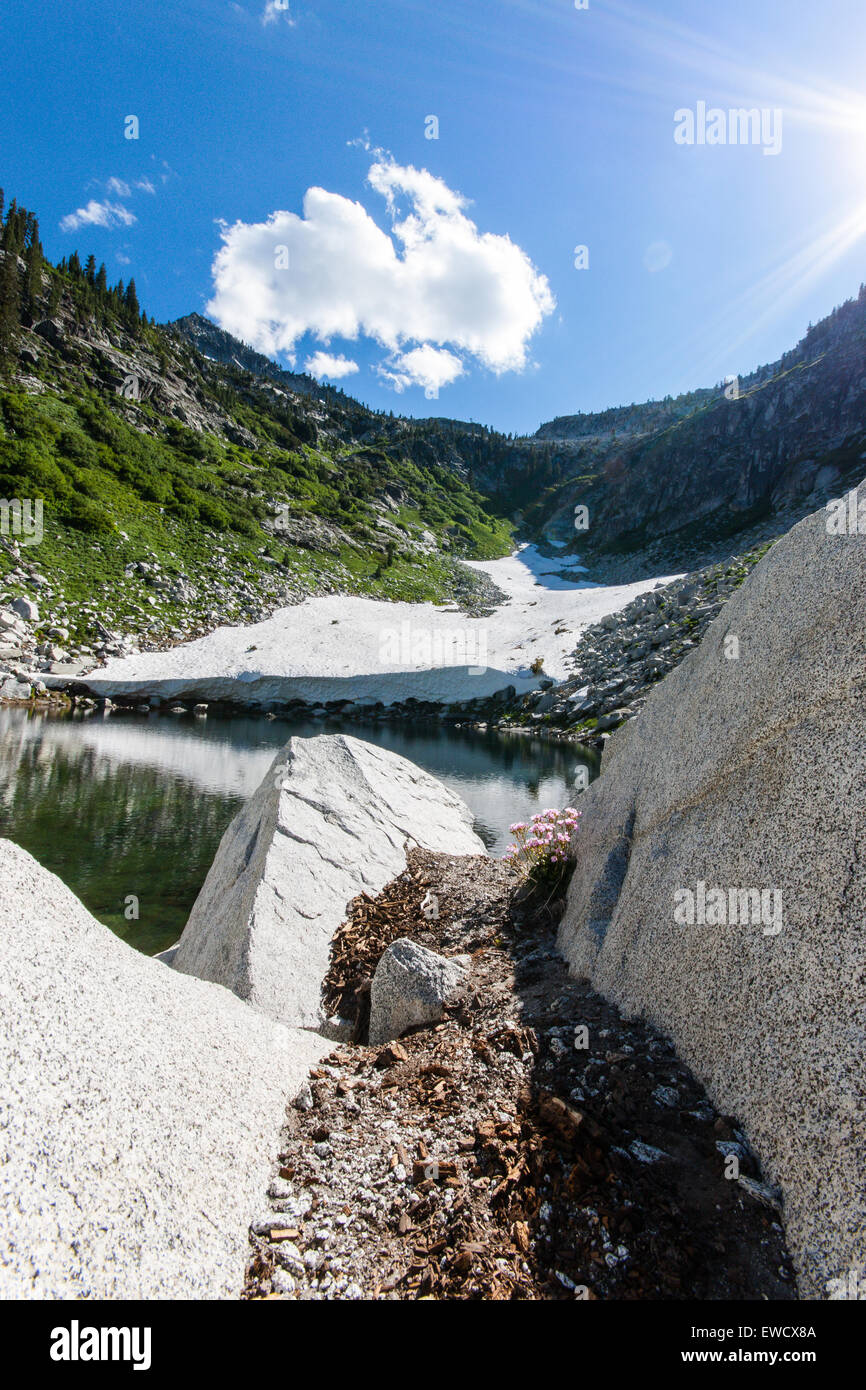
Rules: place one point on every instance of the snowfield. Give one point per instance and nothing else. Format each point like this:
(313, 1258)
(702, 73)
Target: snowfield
(367, 650)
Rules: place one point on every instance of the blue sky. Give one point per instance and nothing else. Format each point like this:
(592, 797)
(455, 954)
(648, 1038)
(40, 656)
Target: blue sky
(454, 258)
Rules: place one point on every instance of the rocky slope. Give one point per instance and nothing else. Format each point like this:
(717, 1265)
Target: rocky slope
(745, 460)
(186, 482)
(618, 661)
(681, 483)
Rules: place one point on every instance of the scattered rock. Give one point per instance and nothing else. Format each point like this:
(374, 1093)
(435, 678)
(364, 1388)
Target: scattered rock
(14, 689)
(458, 1163)
(410, 988)
(26, 608)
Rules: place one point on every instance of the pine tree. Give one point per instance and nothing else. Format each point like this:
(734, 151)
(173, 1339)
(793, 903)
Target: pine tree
(130, 301)
(9, 229)
(15, 229)
(33, 265)
(102, 281)
(54, 295)
(90, 269)
(10, 304)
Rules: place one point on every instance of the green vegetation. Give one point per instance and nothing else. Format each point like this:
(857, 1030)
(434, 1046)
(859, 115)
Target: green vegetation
(96, 472)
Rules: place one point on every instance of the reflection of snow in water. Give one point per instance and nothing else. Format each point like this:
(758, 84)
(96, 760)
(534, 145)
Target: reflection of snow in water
(210, 765)
(501, 779)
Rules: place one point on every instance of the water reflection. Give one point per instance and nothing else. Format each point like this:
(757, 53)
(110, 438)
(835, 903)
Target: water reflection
(135, 804)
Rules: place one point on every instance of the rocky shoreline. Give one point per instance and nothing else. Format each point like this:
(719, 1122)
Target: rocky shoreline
(38, 649)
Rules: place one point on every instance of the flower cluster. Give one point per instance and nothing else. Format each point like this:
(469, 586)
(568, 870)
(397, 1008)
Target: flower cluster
(543, 842)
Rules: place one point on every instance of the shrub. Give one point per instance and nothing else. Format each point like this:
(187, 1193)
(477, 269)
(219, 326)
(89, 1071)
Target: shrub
(542, 849)
(86, 515)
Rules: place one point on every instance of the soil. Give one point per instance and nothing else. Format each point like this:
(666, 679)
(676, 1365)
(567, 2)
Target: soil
(533, 1145)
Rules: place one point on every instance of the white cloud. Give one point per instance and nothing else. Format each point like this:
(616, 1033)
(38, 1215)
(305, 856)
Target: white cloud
(275, 10)
(97, 214)
(433, 281)
(424, 366)
(323, 364)
(107, 213)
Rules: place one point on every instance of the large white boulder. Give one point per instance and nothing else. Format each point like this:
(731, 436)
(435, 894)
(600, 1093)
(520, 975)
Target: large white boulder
(332, 819)
(720, 886)
(140, 1110)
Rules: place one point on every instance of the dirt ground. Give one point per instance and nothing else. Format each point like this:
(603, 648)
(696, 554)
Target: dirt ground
(532, 1145)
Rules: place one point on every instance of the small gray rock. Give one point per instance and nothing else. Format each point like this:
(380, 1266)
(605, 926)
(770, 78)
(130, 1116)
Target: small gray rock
(289, 1257)
(666, 1095)
(646, 1153)
(13, 689)
(729, 1148)
(762, 1192)
(337, 1029)
(304, 1099)
(26, 609)
(410, 987)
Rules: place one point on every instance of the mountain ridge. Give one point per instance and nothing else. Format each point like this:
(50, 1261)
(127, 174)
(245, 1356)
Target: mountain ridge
(215, 485)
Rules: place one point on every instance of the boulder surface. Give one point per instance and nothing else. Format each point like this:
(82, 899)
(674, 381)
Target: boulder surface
(331, 819)
(747, 771)
(140, 1110)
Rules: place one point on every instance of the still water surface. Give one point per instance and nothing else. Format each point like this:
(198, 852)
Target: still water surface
(125, 804)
